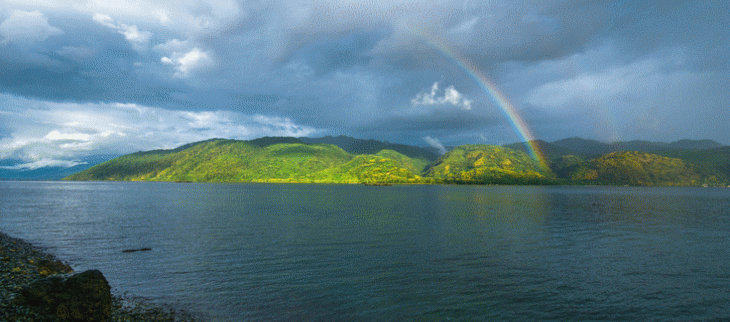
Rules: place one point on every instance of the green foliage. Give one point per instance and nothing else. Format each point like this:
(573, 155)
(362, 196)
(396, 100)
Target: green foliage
(368, 168)
(713, 162)
(411, 164)
(487, 164)
(285, 160)
(240, 161)
(638, 169)
(295, 162)
(565, 165)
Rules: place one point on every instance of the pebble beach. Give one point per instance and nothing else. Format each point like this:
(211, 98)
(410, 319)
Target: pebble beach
(21, 264)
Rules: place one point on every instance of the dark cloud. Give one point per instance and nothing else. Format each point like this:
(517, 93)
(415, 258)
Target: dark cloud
(339, 53)
(606, 70)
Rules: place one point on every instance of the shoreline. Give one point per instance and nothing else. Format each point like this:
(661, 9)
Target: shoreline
(21, 264)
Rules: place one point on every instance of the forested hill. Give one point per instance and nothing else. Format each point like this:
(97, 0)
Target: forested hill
(294, 160)
(639, 169)
(241, 161)
(487, 164)
(290, 160)
(680, 163)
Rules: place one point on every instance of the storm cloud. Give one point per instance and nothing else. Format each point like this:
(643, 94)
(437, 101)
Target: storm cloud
(88, 77)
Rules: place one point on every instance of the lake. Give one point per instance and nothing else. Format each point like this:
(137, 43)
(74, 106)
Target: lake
(285, 252)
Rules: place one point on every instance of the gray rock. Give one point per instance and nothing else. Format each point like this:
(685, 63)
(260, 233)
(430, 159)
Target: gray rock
(80, 297)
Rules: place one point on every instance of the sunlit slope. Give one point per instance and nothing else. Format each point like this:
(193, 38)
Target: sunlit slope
(487, 164)
(642, 169)
(415, 165)
(241, 161)
(368, 168)
(183, 164)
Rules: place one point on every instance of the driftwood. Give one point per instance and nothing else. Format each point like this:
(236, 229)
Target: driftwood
(136, 250)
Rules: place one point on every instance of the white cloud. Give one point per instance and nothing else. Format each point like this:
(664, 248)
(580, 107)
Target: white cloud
(185, 15)
(184, 63)
(41, 132)
(138, 38)
(609, 84)
(450, 96)
(134, 35)
(43, 163)
(173, 45)
(26, 28)
(58, 136)
(435, 143)
(105, 20)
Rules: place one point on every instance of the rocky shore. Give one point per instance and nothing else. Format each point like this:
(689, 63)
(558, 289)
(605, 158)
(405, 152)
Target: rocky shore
(23, 266)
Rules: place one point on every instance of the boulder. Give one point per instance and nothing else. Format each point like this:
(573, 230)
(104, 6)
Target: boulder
(80, 297)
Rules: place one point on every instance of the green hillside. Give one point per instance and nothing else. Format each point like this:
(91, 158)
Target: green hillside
(641, 169)
(242, 161)
(413, 165)
(565, 165)
(715, 158)
(487, 164)
(182, 164)
(368, 168)
(291, 160)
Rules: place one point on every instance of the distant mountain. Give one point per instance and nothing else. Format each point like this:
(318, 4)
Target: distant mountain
(585, 147)
(694, 144)
(548, 150)
(359, 146)
(637, 145)
(646, 146)
(267, 140)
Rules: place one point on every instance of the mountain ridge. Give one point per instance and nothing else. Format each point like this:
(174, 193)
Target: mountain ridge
(587, 147)
(564, 157)
(285, 159)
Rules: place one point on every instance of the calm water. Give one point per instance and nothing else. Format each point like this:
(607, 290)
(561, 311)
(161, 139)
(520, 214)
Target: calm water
(335, 253)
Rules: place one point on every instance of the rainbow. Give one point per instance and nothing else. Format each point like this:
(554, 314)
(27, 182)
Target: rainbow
(518, 124)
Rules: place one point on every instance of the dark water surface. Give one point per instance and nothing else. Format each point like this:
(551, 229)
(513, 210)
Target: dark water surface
(269, 252)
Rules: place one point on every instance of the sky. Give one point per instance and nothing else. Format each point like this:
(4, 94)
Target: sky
(88, 77)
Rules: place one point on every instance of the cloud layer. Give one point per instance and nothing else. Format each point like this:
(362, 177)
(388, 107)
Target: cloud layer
(40, 132)
(26, 28)
(390, 70)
